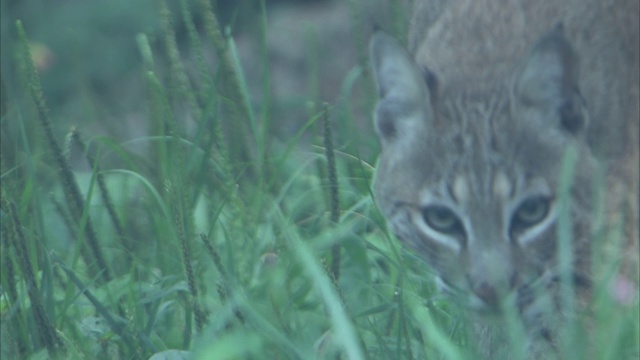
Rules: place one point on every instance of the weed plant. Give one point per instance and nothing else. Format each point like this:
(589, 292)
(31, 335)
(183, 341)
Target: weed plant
(223, 241)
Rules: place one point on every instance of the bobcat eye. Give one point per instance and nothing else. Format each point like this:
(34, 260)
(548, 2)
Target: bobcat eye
(531, 212)
(442, 219)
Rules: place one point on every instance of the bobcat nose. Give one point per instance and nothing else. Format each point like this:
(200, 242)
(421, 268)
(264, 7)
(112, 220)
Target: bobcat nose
(487, 293)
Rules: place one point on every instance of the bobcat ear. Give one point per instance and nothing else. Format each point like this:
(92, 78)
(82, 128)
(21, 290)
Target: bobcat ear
(403, 103)
(548, 82)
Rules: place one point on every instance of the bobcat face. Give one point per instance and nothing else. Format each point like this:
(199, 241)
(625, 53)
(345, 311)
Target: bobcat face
(468, 178)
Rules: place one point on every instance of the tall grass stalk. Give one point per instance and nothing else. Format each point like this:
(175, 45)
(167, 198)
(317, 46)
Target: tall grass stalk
(104, 191)
(565, 250)
(334, 201)
(44, 326)
(70, 186)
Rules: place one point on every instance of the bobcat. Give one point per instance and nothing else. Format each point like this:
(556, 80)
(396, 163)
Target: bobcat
(474, 132)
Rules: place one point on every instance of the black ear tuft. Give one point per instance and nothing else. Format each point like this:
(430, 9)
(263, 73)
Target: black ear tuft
(572, 116)
(432, 84)
(430, 79)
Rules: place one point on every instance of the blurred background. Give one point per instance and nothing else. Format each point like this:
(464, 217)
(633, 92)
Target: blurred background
(93, 75)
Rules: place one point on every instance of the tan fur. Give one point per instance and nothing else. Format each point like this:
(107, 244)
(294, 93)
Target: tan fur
(469, 175)
(457, 39)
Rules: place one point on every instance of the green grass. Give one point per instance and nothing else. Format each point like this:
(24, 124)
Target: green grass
(227, 243)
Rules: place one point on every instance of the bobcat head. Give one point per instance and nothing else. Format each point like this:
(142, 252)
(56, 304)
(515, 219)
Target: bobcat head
(469, 173)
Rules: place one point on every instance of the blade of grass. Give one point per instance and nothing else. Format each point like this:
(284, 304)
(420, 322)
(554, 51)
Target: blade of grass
(345, 333)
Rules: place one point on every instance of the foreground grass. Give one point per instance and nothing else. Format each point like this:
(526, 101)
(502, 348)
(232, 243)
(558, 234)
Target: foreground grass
(223, 241)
